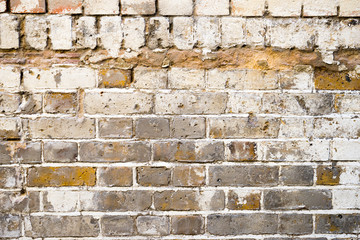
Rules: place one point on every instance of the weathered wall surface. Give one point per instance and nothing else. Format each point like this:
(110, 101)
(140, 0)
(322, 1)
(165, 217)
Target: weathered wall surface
(179, 119)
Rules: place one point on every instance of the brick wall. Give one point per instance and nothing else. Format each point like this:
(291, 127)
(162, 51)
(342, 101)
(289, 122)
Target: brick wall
(179, 119)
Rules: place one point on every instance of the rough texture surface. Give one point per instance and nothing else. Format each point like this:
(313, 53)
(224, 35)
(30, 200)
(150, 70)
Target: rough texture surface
(179, 119)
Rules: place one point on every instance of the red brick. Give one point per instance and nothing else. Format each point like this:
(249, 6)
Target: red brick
(64, 6)
(22, 6)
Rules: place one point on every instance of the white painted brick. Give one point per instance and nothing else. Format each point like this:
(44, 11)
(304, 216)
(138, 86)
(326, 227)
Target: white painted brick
(349, 103)
(346, 199)
(294, 127)
(9, 78)
(2, 5)
(300, 78)
(345, 150)
(349, 8)
(182, 78)
(244, 102)
(280, 8)
(118, 103)
(150, 78)
(183, 30)
(349, 33)
(261, 80)
(208, 32)
(111, 34)
(9, 128)
(60, 32)
(85, 34)
(248, 8)
(212, 7)
(134, 36)
(350, 174)
(232, 31)
(159, 33)
(175, 7)
(138, 7)
(317, 150)
(61, 201)
(9, 31)
(320, 8)
(220, 79)
(77, 78)
(36, 32)
(255, 31)
(327, 34)
(101, 7)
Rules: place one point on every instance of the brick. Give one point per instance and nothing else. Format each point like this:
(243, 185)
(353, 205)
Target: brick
(10, 225)
(189, 151)
(60, 102)
(256, 29)
(36, 32)
(62, 226)
(349, 175)
(260, 80)
(327, 35)
(111, 34)
(247, 8)
(347, 103)
(158, 33)
(9, 102)
(115, 152)
(300, 78)
(23, 6)
(251, 127)
(9, 78)
(187, 225)
(309, 199)
(61, 201)
(138, 7)
(116, 201)
(297, 175)
(64, 7)
(187, 200)
(118, 103)
(241, 151)
(15, 202)
(3, 6)
(60, 32)
(243, 176)
(345, 150)
(60, 128)
(349, 8)
(229, 224)
(240, 102)
(232, 31)
(328, 175)
(349, 34)
(346, 199)
(153, 225)
(9, 129)
(221, 79)
(188, 127)
(115, 177)
(335, 128)
(60, 152)
(30, 103)
(175, 7)
(298, 104)
(114, 78)
(207, 32)
(84, 32)
(134, 33)
(317, 150)
(290, 8)
(9, 31)
(244, 200)
(330, 80)
(296, 224)
(153, 176)
(28, 152)
(212, 7)
(180, 78)
(152, 128)
(117, 226)
(188, 176)
(5, 153)
(150, 78)
(320, 8)
(190, 103)
(101, 7)
(10, 177)
(116, 128)
(183, 32)
(337, 224)
(61, 176)
(290, 33)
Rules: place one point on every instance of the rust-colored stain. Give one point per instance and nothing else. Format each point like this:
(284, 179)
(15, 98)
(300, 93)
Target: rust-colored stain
(328, 175)
(114, 78)
(249, 202)
(61, 176)
(332, 80)
(183, 153)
